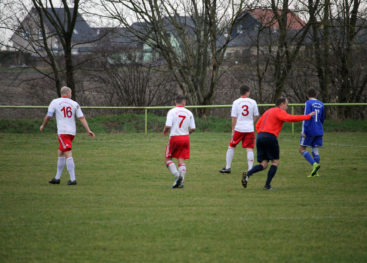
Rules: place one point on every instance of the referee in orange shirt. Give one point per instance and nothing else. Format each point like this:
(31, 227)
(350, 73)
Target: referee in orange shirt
(268, 128)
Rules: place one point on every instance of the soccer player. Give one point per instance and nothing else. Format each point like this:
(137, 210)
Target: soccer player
(244, 113)
(179, 124)
(312, 131)
(268, 128)
(66, 110)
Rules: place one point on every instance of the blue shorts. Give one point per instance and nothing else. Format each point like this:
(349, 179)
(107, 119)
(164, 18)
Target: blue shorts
(311, 141)
(267, 147)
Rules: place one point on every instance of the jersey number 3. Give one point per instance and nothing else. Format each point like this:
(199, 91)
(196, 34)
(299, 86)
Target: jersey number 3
(183, 118)
(245, 111)
(67, 112)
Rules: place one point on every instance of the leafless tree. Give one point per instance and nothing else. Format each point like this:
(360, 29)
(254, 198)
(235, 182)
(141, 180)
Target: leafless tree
(45, 32)
(187, 35)
(129, 82)
(289, 42)
(339, 41)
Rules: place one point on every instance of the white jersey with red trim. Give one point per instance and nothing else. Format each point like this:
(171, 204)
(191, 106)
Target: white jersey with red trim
(244, 109)
(65, 109)
(181, 120)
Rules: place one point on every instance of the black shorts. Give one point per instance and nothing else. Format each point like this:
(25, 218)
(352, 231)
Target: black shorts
(267, 147)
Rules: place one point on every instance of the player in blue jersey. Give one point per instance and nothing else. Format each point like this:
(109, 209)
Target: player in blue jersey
(312, 131)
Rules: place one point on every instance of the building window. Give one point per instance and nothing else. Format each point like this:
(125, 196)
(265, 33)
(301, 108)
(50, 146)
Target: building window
(40, 36)
(25, 34)
(75, 31)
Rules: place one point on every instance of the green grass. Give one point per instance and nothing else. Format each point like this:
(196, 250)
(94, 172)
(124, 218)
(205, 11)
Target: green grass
(123, 209)
(133, 123)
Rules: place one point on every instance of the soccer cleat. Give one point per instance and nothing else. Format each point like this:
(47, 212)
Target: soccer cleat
(225, 171)
(181, 186)
(244, 179)
(71, 182)
(315, 169)
(268, 187)
(177, 183)
(54, 181)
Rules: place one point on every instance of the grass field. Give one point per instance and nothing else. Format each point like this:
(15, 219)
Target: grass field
(123, 209)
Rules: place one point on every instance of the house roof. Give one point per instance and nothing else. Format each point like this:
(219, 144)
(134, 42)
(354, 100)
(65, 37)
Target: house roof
(267, 18)
(82, 31)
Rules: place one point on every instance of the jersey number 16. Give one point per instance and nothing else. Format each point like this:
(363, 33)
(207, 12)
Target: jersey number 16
(67, 112)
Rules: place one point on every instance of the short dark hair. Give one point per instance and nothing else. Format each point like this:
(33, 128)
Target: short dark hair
(311, 93)
(180, 98)
(280, 101)
(244, 89)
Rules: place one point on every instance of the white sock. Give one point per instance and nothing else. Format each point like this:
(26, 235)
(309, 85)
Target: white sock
(182, 170)
(60, 167)
(172, 168)
(250, 159)
(71, 168)
(229, 157)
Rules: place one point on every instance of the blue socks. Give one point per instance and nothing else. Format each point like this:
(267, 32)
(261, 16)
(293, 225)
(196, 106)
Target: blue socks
(271, 174)
(308, 157)
(316, 157)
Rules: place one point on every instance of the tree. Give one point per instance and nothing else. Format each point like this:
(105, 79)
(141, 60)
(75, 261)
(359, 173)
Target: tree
(339, 43)
(289, 42)
(47, 30)
(187, 35)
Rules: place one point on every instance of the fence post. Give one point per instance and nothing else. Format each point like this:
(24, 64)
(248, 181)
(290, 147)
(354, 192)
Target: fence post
(146, 121)
(292, 109)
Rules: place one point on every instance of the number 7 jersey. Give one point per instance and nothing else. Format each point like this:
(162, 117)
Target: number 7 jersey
(65, 109)
(181, 120)
(244, 109)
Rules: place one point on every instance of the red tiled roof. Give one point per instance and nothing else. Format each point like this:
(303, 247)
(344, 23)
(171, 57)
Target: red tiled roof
(266, 18)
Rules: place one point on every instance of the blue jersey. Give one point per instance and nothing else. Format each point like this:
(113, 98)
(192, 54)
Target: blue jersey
(313, 126)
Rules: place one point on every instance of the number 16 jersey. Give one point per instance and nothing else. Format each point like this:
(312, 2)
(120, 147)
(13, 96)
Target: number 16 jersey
(244, 109)
(65, 109)
(181, 120)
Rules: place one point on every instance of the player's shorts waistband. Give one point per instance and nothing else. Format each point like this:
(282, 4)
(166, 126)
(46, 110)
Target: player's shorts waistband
(266, 134)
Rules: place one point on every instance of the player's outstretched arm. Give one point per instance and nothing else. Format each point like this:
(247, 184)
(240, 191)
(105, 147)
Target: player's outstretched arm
(86, 127)
(45, 121)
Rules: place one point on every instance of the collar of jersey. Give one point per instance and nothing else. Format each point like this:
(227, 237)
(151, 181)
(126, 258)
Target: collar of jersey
(65, 97)
(180, 106)
(244, 97)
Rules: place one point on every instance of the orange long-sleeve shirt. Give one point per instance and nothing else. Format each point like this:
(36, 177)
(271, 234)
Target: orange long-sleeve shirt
(272, 120)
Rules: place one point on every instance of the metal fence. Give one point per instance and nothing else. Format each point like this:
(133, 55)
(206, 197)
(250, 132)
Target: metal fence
(152, 108)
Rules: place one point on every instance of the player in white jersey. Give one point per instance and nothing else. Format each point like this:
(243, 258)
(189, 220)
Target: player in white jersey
(179, 124)
(244, 113)
(66, 110)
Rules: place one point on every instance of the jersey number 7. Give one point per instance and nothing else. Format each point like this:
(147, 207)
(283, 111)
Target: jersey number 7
(183, 118)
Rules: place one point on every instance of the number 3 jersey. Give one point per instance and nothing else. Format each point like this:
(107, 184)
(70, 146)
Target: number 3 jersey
(244, 109)
(313, 126)
(65, 109)
(181, 120)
